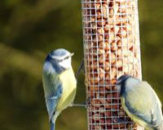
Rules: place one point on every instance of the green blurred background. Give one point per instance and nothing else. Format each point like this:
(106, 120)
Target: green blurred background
(29, 29)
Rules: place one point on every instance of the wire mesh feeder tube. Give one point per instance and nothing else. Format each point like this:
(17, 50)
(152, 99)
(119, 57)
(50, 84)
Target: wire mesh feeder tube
(111, 49)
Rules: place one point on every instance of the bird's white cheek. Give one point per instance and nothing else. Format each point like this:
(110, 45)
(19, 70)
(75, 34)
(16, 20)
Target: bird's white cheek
(65, 64)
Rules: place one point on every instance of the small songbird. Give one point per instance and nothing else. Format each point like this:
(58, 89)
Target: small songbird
(140, 102)
(59, 83)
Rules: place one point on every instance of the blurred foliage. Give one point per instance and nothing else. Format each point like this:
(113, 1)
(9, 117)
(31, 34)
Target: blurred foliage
(29, 29)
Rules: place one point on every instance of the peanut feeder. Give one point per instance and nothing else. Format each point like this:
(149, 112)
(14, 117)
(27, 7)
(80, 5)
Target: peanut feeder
(111, 49)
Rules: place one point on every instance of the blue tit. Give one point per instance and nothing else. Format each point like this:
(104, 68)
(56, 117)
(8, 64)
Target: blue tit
(140, 102)
(59, 83)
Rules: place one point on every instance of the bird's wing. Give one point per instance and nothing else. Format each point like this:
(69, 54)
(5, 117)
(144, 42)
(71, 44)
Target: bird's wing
(143, 103)
(52, 101)
(52, 88)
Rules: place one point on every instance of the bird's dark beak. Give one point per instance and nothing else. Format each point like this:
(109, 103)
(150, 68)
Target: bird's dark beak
(118, 83)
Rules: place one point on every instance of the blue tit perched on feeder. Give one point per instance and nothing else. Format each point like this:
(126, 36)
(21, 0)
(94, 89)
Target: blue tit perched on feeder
(59, 83)
(140, 102)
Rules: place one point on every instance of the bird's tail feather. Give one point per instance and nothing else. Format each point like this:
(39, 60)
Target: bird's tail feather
(53, 120)
(52, 125)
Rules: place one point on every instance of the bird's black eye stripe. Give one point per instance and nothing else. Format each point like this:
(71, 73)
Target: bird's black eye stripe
(66, 57)
(59, 60)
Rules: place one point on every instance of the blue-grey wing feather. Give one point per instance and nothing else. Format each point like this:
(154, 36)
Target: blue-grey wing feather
(52, 101)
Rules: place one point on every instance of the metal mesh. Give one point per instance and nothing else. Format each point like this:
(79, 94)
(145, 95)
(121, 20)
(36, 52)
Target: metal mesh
(111, 49)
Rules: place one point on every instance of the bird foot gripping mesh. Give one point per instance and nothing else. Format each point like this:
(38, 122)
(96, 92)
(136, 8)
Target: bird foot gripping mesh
(111, 49)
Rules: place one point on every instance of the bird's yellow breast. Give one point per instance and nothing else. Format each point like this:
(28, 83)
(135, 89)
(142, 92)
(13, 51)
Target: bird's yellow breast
(68, 89)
